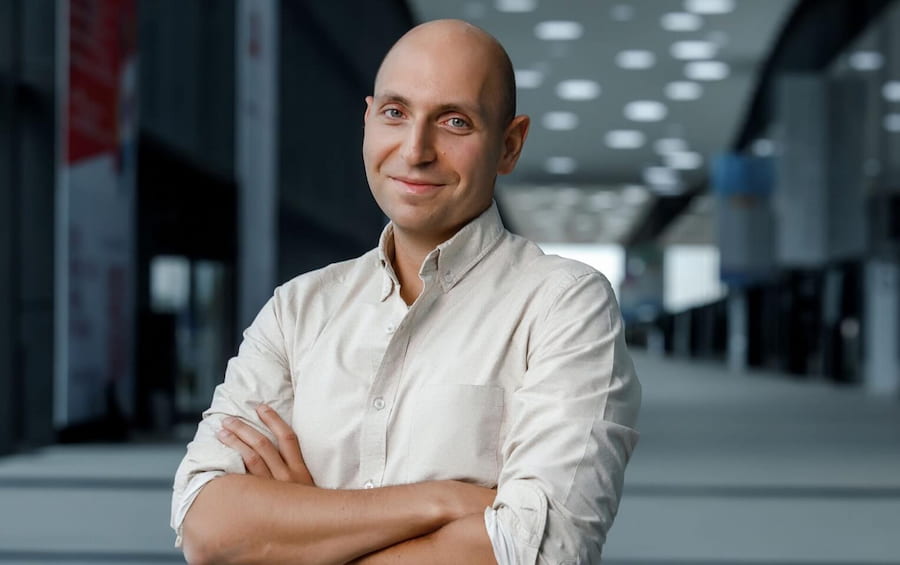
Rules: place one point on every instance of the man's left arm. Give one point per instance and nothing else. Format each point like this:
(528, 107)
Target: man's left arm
(462, 541)
(572, 428)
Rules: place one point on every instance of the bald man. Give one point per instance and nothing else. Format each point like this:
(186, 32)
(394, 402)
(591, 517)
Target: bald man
(452, 396)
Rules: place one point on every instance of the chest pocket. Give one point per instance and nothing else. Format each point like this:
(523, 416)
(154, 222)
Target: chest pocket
(455, 433)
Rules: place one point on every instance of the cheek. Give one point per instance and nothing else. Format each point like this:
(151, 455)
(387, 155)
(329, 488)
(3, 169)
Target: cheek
(376, 145)
(466, 159)
(477, 163)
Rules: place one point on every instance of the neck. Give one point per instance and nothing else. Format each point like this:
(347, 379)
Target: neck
(409, 254)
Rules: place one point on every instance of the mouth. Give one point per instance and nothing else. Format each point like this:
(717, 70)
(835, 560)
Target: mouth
(416, 186)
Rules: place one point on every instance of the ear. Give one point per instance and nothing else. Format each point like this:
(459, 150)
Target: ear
(513, 141)
(369, 101)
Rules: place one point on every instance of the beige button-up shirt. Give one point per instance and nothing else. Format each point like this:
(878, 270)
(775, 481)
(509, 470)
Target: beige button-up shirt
(510, 370)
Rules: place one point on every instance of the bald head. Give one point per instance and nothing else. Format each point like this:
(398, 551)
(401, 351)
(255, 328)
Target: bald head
(456, 38)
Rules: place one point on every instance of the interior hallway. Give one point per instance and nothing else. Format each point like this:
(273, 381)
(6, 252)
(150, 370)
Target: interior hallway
(731, 469)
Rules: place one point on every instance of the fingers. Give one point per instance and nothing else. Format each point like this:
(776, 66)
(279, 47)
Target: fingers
(260, 456)
(284, 434)
(288, 445)
(282, 461)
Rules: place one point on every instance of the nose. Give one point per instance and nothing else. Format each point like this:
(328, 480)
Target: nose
(418, 146)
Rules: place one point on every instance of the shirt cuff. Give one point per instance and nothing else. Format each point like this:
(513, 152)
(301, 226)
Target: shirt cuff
(181, 504)
(521, 512)
(501, 541)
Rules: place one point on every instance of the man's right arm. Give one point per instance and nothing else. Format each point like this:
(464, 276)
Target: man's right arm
(247, 519)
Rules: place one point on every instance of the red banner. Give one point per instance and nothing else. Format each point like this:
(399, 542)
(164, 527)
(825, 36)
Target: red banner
(102, 37)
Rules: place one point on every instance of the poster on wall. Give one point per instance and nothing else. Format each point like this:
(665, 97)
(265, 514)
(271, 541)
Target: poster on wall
(95, 212)
(743, 187)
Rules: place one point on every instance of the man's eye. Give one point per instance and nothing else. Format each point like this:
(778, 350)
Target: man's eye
(457, 123)
(393, 113)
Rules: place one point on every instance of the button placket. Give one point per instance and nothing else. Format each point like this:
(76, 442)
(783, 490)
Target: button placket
(373, 440)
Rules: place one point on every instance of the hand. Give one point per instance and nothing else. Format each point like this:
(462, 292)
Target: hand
(262, 458)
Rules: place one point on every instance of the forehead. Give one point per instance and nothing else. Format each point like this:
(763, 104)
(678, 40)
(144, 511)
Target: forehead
(438, 72)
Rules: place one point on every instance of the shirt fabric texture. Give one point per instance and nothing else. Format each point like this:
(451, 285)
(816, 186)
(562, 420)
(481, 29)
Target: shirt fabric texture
(510, 370)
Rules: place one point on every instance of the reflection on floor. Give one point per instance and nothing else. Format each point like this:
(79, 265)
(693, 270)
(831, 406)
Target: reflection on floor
(731, 469)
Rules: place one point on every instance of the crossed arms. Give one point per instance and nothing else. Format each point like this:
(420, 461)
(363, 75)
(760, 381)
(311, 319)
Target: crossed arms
(569, 436)
(275, 513)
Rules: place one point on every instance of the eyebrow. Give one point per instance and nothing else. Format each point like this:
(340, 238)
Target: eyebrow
(389, 96)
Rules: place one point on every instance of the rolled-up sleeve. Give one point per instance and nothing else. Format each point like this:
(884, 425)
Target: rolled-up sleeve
(258, 374)
(572, 429)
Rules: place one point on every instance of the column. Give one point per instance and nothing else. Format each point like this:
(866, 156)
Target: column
(882, 327)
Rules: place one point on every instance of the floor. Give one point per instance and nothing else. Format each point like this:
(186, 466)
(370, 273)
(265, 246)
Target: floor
(731, 470)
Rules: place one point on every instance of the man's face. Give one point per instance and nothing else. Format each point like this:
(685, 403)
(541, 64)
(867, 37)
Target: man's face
(434, 141)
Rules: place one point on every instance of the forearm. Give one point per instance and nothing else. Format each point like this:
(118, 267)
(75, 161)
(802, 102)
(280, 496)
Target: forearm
(245, 519)
(461, 541)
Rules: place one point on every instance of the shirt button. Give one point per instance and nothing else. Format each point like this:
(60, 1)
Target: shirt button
(369, 484)
(390, 328)
(378, 403)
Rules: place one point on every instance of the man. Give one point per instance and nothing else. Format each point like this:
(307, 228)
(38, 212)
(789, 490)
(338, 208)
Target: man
(453, 396)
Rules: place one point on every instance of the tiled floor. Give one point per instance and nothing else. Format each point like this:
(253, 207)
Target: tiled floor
(758, 468)
(731, 469)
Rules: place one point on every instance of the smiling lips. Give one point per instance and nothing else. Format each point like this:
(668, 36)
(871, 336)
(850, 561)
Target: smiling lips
(416, 186)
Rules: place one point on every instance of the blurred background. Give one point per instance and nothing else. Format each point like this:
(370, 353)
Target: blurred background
(733, 166)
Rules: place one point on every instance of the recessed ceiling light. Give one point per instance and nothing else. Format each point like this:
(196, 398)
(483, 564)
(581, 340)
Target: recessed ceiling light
(661, 177)
(694, 49)
(625, 139)
(683, 90)
(645, 111)
(866, 60)
(892, 123)
(634, 195)
(891, 91)
(622, 12)
(681, 21)
(560, 121)
(706, 70)
(635, 59)
(578, 89)
(560, 165)
(763, 147)
(666, 145)
(516, 5)
(528, 78)
(558, 30)
(709, 6)
(683, 160)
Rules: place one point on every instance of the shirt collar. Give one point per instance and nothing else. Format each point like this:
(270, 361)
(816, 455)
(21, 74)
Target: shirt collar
(385, 252)
(451, 260)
